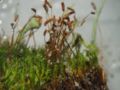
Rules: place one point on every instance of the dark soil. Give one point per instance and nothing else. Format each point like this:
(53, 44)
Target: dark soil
(92, 79)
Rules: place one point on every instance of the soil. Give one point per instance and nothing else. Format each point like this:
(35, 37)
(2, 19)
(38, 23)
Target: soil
(92, 79)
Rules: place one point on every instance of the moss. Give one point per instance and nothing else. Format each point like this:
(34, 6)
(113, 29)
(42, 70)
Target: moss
(59, 65)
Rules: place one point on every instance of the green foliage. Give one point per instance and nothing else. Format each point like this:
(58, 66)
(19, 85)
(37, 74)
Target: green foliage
(27, 68)
(25, 71)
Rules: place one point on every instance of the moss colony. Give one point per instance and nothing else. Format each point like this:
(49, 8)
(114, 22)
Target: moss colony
(65, 62)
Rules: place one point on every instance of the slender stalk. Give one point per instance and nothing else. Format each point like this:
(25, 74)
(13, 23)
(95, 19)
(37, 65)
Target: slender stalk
(12, 40)
(34, 40)
(96, 21)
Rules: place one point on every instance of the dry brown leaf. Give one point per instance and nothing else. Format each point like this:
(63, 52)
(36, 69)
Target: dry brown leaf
(69, 8)
(48, 21)
(93, 13)
(34, 10)
(63, 6)
(93, 5)
(70, 13)
(47, 3)
(16, 18)
(46, 8)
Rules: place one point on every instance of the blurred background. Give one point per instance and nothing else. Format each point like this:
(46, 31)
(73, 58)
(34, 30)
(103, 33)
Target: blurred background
(107, 35)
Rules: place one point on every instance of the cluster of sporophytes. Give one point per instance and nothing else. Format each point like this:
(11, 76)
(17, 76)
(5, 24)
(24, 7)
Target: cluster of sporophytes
(64, 63)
